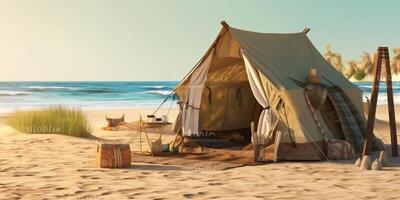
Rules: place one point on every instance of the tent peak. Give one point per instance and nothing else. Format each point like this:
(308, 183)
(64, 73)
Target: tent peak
(306, 30)
(224, 24)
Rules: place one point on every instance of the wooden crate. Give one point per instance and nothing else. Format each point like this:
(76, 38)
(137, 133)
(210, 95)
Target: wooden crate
(113, 155)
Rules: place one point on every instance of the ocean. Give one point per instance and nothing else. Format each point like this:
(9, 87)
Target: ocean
(110, 95)
(94, 95)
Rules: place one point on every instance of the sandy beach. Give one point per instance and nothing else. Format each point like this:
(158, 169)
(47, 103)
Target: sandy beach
(55, 166)
(177, 99)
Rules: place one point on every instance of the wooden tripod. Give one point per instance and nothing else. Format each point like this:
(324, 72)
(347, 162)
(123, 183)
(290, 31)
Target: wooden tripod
(383, 55)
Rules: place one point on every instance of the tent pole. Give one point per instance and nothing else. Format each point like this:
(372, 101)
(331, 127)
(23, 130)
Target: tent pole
(224, 24)
(306, 30)
(372, 108)
(389, 89)
(383, 55)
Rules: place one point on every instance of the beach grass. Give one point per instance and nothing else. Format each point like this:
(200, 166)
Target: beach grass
(52, 120)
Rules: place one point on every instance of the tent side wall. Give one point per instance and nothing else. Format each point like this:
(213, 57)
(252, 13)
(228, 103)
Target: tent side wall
(301, 138)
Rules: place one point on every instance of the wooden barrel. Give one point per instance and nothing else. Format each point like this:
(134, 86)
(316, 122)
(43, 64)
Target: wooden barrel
(113, 155)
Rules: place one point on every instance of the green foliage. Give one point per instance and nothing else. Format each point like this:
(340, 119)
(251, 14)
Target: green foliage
(58, 120)
(359, 74)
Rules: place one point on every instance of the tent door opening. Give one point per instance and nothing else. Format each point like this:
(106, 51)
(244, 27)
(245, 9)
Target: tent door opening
(228, 105)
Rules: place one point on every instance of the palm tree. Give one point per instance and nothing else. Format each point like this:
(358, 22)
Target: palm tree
(366, 63)
(351, 69)
(335, 59)
(395, 65)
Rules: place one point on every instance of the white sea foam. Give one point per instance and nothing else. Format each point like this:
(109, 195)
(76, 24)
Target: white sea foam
(50, 87)
(382, 98)
(159, 92)
(12, 93)
(394, 87)
(155, 86)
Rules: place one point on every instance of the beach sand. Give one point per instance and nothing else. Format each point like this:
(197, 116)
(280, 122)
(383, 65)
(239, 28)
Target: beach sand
(55, 166)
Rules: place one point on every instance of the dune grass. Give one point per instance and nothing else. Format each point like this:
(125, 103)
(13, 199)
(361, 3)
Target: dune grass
(52, 120)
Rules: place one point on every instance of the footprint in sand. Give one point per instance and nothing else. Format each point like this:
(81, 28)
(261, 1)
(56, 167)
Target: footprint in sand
(125, 191)
(19, 174)
(106, 193)
(135, 194)
(214, 184)
(188, 195)
(129, 178)
(85, 176)
(78, 192)
(202, 193)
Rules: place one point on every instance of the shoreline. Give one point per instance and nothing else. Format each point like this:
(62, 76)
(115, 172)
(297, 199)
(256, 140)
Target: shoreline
(147, 110)
(132, 114)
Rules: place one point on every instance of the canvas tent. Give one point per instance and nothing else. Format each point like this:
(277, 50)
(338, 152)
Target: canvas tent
(256, 77)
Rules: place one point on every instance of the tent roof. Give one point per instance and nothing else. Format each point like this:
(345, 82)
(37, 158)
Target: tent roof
(284, 57)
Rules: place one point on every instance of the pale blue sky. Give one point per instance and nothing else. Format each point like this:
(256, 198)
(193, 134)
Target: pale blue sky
(162, 40)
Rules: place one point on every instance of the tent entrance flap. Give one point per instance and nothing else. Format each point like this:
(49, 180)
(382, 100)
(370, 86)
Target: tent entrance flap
(194, 89)
(264, 124)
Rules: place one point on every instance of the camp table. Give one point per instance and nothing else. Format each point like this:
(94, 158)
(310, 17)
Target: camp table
(156, 125)
(144, 125)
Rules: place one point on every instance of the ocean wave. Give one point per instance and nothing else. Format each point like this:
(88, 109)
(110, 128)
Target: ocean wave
(159, 92)
(95, 91)
(381, 86)
(50, 88)
(382, 97)
(13, 93)
(155, 86)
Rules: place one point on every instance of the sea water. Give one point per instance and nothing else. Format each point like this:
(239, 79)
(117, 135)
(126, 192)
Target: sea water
(94, 95)
(110, 95)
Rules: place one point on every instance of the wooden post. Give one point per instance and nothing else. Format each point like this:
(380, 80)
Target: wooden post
(389, 91)
(278, 137)
(140, 133)
(383, 54)
(372, 108)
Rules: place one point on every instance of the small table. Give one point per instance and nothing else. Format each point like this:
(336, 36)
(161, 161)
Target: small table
(144, 125)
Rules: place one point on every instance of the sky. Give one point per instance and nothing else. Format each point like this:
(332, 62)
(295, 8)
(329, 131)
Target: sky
(129, 40)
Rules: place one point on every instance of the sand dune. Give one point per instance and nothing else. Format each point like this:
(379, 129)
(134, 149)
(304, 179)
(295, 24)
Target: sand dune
(56, 166)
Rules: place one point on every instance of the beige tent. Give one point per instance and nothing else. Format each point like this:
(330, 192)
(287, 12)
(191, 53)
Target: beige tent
(249, 77)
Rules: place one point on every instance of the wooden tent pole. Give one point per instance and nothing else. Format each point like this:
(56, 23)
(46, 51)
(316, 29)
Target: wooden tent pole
(389, 91)
(306, 30)
(372, 108)
(383, 55)
(140, 133)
